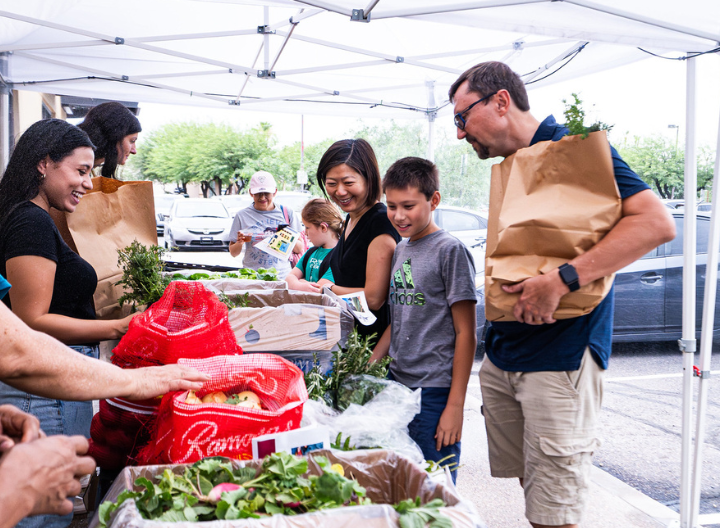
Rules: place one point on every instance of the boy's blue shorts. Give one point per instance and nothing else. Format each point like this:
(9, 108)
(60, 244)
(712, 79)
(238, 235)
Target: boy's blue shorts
(424, 425)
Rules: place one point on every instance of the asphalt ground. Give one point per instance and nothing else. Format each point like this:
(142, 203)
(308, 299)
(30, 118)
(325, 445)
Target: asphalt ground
(636, 480)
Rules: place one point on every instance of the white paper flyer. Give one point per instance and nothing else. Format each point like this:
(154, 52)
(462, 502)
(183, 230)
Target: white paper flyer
(279, 245)
(357, 304)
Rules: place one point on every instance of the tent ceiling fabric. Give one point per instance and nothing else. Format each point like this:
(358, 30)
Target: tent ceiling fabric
(204, 52)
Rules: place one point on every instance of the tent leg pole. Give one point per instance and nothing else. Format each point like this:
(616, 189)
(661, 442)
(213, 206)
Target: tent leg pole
(688, 343)
(706, 338)
(431, 115)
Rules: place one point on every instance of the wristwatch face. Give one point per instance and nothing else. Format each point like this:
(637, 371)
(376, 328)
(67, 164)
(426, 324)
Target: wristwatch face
(569, 276)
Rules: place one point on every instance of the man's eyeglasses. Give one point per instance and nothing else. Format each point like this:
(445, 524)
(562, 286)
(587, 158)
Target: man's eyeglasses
(460, 120)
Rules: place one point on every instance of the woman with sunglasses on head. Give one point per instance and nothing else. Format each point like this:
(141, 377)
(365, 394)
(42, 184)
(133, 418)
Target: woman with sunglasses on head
(52, 287)
(114, 130)
(349, 175)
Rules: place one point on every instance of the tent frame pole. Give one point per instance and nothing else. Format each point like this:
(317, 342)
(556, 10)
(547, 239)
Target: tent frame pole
(706, 337)
(688, 343)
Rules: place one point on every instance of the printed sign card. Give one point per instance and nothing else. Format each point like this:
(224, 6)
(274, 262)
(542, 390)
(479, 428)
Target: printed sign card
(281, 244)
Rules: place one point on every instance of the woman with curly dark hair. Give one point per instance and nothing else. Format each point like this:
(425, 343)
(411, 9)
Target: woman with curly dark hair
(52, 286)
(114, 130)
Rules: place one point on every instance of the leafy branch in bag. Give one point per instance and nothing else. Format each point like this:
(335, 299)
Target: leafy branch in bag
(352, 360)
(142, 274)
(575, 119)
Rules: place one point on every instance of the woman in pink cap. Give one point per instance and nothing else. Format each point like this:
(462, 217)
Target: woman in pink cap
(260, 220)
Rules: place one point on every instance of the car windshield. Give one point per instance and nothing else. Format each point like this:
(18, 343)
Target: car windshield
(203, 209)
(165, 200)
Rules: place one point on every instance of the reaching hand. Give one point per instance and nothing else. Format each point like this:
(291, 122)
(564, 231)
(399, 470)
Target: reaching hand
(17, 426)
(38, 477)
(150, 382)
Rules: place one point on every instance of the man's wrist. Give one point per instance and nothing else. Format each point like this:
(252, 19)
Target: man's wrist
(569, 276)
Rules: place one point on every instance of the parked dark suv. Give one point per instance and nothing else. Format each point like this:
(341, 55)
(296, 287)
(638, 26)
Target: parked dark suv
(648, 292)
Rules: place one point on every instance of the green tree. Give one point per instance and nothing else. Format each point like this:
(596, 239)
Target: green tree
(464, 178)
(215, 156)
(662, 166)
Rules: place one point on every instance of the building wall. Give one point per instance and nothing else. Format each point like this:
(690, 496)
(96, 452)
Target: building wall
(28, 109)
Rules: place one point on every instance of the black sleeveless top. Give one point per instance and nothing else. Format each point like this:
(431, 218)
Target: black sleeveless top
(348, 259)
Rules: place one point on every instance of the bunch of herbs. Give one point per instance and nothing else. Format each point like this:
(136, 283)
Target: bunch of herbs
(142, 274)
(352, 360)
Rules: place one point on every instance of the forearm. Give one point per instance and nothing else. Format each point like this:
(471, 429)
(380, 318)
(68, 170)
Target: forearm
(646, 224)
(72, 331)
(235, 248)
(383, 346)
(465, 345)
(37, 363)
(464, 322)
(344, 290)
(299, 246)
(293, 281)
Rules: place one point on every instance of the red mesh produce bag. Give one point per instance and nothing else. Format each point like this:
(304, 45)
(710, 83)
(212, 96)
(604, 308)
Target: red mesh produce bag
(119, 430)
(186, 433)
(188, 321)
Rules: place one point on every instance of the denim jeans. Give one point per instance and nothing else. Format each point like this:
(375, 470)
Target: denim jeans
(56, 417)
(423, 427)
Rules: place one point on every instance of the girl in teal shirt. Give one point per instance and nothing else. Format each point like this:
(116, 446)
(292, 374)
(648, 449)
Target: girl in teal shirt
(323, 225)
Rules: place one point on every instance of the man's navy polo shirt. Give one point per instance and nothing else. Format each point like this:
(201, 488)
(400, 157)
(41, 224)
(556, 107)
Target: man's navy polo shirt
(520, 347)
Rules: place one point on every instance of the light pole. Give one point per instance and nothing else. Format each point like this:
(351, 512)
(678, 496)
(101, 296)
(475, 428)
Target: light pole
(677, 134)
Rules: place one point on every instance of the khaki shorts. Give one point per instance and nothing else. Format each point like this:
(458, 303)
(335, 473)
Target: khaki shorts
(541, 427)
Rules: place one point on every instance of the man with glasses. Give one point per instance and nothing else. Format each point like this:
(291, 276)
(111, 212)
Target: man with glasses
(542, 381)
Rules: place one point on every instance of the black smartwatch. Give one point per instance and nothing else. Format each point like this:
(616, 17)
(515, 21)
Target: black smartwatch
(569, 276)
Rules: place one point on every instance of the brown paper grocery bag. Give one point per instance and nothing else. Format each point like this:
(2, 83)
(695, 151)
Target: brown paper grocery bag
(549, 203)
(109, 217)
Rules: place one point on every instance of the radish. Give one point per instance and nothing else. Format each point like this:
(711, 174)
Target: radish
(214, 495)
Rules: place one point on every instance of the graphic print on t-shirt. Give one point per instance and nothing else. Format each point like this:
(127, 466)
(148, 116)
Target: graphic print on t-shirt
(402, 287)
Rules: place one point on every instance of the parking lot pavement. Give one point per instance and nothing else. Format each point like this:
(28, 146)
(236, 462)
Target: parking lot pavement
(500, 502)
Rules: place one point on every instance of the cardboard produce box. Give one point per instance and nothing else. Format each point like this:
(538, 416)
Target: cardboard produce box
(229, 285)
(283, 320)
(388, 478)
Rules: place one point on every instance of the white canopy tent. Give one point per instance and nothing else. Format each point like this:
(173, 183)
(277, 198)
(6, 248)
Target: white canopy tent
(384, 58)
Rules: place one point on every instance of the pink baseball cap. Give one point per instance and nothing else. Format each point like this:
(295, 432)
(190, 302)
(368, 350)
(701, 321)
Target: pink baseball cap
(262, 182)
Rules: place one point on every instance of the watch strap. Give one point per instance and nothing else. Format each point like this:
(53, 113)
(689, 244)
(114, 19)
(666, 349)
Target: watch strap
(568, 274)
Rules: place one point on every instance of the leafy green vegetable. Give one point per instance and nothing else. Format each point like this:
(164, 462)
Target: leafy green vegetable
(280, 487)
(414, 515)
(142, 274)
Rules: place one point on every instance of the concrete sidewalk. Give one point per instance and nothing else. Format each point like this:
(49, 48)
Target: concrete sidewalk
(500, 502)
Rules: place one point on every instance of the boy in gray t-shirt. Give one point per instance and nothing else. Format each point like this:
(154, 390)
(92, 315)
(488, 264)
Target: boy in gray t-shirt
(432, 335)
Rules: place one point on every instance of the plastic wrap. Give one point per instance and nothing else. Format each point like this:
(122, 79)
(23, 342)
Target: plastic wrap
(282, 320)
(387, 476)
(381, 422)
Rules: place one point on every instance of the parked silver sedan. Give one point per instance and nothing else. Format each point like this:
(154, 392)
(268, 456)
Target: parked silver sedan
(197, 223)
